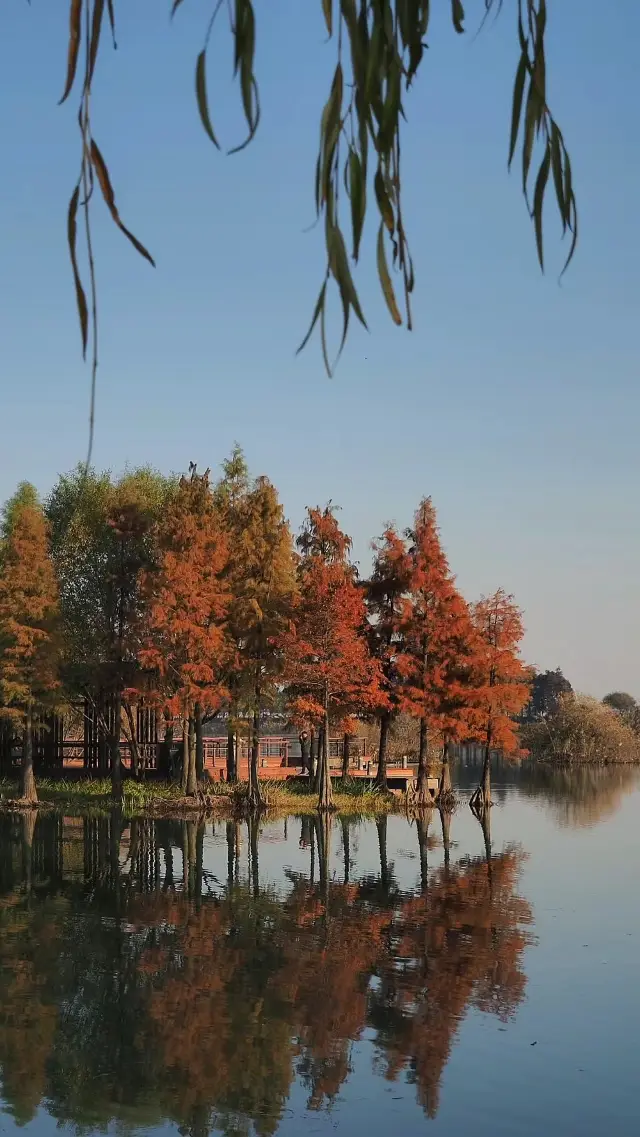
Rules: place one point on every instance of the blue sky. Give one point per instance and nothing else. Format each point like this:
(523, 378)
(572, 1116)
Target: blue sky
(515, 402)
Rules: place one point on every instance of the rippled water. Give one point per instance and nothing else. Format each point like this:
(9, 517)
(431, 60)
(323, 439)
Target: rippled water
(358, 977)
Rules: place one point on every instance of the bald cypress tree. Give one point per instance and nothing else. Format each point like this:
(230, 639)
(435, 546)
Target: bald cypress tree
(29, 641)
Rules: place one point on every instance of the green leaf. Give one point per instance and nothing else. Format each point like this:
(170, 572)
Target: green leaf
(384, 203)
(327, 8)
(201, 96)
(329, 134)
(385, 278)
(556, 168)
(530, 123)
(316, 313)
(538, 202)
(457, 14)
(251, 101)
(81, 299)
(516, 112)
(339, 264)
(358, 193)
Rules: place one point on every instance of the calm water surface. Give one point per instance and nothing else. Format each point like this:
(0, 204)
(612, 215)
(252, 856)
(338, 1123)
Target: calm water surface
(363, 977)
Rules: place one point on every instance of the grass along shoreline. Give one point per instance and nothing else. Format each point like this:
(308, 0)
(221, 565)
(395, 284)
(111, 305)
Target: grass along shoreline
(159, 799)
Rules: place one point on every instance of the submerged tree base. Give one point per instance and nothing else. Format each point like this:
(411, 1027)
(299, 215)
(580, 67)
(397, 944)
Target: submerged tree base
(447, 801)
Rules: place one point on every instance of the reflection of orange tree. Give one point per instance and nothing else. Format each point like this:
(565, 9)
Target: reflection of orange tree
(29, 938)
(215, 1009)
(203, 1009)
(460, 945)
(240, 978)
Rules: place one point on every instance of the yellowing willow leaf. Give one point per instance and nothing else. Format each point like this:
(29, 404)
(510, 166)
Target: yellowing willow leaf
(96, 28)
(104, 181)
(75, 23)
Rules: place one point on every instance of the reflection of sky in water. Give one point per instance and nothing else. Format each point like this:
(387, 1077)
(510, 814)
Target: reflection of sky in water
(582, 999)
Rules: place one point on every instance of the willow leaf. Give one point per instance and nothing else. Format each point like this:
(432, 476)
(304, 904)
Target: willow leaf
(538, 202)
(75, 25)
(81, 299)
(201, 96)
(385, 278)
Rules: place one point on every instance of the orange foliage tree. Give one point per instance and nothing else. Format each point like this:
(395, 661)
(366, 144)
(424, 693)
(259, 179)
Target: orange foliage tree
(29, 646)
(184, 640)
(389, 606)
(329, 670)
(502, 682)
(438, 639)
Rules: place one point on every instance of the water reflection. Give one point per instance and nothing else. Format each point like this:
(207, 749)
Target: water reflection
(141, 982)
(577, 795)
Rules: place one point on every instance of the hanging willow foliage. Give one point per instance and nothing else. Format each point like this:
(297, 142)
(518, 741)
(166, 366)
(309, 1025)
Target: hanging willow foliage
(380, 45)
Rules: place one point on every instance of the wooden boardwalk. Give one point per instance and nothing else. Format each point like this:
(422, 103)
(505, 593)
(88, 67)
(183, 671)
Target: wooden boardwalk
(399, 781)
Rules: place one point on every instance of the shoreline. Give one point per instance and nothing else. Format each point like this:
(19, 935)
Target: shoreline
(161, 800)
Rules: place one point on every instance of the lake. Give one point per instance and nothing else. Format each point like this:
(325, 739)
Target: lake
(368, 977)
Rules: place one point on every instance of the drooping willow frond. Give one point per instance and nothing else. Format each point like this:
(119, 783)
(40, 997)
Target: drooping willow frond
(379, 49)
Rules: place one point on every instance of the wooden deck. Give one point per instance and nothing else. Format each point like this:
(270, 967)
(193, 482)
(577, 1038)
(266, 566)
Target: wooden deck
(399, 781)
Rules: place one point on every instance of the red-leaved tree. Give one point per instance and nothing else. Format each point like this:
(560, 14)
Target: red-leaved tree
(29, 643)
(438, 640)
(329, 670)
(184, 643)
(502, 683)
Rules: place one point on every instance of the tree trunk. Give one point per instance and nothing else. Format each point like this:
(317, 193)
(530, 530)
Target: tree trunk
(346, 754)
(423, 768)
(317, 763)
(486, 776)
(255, 797)
(164, 756)
(445, 773)
(313, 756)
(28, 788)
(381, 773)
(185, 747)
(199, 743)
(100, 707)
(116, 765)
(192, 781)
(136, 763)
(232, 766)
(324, 777)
